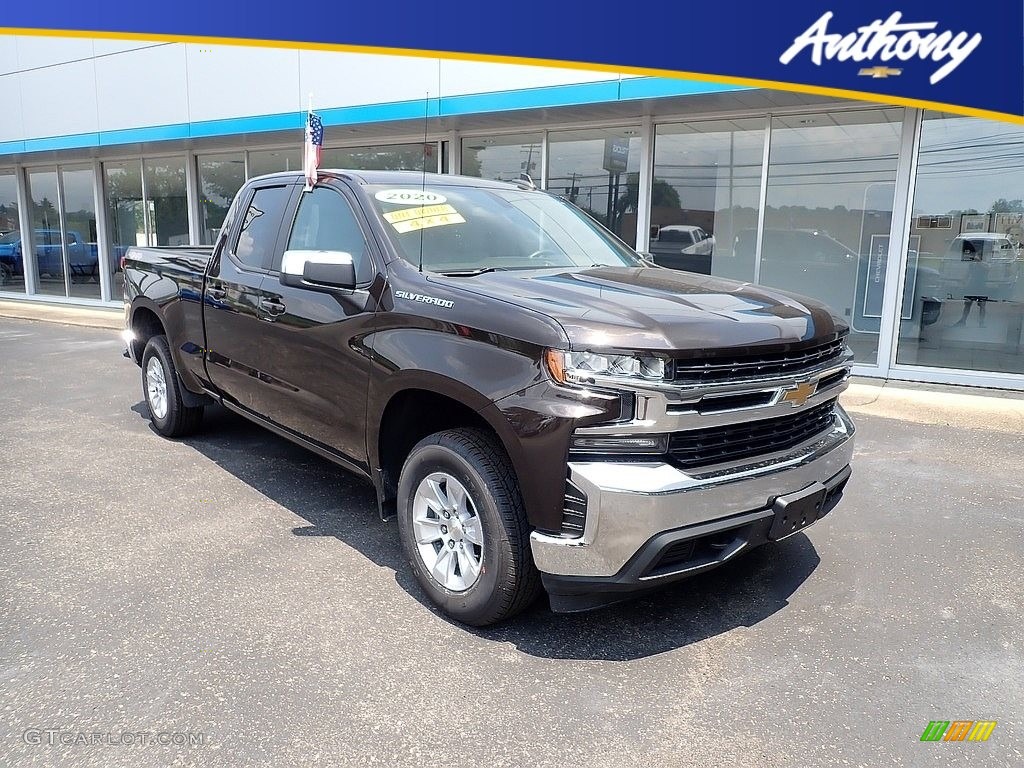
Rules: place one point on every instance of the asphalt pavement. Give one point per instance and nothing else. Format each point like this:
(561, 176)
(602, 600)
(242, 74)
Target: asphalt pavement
(231, 599)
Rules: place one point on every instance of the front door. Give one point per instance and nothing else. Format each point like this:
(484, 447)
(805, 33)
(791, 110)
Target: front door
(312, 351)
(232, 297)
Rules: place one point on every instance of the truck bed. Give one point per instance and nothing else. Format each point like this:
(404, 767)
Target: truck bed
(192, 258)
(169, 281)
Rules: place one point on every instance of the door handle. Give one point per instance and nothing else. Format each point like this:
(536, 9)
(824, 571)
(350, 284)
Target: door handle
(272, 307)
(216, 293)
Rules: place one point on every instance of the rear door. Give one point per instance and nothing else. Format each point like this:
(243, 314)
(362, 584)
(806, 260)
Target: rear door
(246, 249)
(313, 356)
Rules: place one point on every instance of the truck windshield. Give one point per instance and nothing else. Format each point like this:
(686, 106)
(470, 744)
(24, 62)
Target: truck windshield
(468, 230)
(10, 237)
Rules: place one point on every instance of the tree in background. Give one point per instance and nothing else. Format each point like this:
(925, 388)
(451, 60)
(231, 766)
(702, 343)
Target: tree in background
(1002, 205)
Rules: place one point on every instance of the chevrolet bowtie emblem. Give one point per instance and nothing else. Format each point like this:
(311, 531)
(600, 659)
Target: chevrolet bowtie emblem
(880, 72)
(798, 395)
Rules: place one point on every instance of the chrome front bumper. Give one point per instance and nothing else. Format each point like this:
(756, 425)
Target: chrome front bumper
(628, 504)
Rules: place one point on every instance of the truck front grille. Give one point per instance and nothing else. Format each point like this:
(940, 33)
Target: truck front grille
(725, 369)
(702, 447)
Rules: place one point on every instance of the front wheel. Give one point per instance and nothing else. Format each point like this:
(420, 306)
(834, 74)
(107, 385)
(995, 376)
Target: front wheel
(167, 409)
(463, 528)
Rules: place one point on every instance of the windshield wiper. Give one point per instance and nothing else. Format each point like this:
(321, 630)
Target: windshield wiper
(485, 270)
(473, 272)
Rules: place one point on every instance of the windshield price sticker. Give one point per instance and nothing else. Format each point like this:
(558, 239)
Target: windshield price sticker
(417, 213)
(410, 197)
(428, 221)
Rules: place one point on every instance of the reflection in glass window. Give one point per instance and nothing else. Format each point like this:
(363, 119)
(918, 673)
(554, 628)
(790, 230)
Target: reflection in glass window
(80, 231)
(127, 220)
(12, 268)
(828, 213)
(257, 236)
(48, 254)
(598, 170)
(963, 304)
(706, 190)
(274, 161)
(220, 178)
(167, 201)
(393, 157)
(503, 158)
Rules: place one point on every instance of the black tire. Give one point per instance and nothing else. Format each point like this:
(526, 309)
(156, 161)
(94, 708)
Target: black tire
(508, 580)
(179, 420)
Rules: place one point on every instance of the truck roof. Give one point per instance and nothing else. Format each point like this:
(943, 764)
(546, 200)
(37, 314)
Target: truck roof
(405, 178)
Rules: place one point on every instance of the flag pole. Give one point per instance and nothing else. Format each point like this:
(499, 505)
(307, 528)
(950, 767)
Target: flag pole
(307, 141)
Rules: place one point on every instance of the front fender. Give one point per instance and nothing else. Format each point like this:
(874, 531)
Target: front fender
(468, 370)
(504, 384)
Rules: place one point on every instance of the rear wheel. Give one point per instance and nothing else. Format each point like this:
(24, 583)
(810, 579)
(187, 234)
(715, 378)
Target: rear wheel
(167, 409)
(463, 528)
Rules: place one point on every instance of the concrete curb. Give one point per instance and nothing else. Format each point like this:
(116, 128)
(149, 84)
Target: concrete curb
(963, 407)
(67, 315)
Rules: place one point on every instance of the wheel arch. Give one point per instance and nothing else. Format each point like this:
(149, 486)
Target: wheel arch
(420, 405)
(145, 322)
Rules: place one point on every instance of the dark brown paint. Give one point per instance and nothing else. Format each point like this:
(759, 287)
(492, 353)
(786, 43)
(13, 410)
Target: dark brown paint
(324, 370)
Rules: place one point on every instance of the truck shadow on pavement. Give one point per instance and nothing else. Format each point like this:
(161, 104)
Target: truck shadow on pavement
(337, 504)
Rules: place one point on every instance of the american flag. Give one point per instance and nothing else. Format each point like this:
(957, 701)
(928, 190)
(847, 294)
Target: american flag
(314, 142)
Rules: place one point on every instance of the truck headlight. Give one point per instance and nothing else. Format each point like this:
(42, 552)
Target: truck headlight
(584, 367)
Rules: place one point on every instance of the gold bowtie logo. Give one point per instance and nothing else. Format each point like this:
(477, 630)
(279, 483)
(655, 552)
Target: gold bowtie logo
(880, 72)
(798, 395)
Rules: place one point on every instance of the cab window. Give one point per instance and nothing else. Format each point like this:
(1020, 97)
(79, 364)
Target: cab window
(257, 236)
(325, 222)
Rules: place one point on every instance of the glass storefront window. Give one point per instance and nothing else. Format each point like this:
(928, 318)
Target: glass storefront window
(598, 170)
(274, 161)
(167, 201)
(66, 264)
(503, 158)
(389, 157)
(125, 214)
(963, 301)
(706, 190)
(220, 178)
(12, 270)
(828, 213)
(48, 255)
(80, 231)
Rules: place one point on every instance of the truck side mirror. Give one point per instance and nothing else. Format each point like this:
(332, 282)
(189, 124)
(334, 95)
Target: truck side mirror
(324, 270)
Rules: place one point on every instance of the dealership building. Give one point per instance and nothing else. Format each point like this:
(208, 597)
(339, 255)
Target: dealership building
(909, 223)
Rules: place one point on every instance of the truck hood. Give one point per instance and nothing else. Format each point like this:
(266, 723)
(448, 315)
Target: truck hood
(648, 308)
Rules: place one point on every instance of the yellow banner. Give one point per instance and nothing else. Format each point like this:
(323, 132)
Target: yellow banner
(417, 213)
(428, 221)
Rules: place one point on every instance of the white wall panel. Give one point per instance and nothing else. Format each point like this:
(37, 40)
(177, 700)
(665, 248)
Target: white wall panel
(36, 52)
(12, 127)
(347, 79)
(8, 54)
(59, 100)
(142, 87)
(231, 81)
(105, 85)
(462, 77)
(104, 47)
